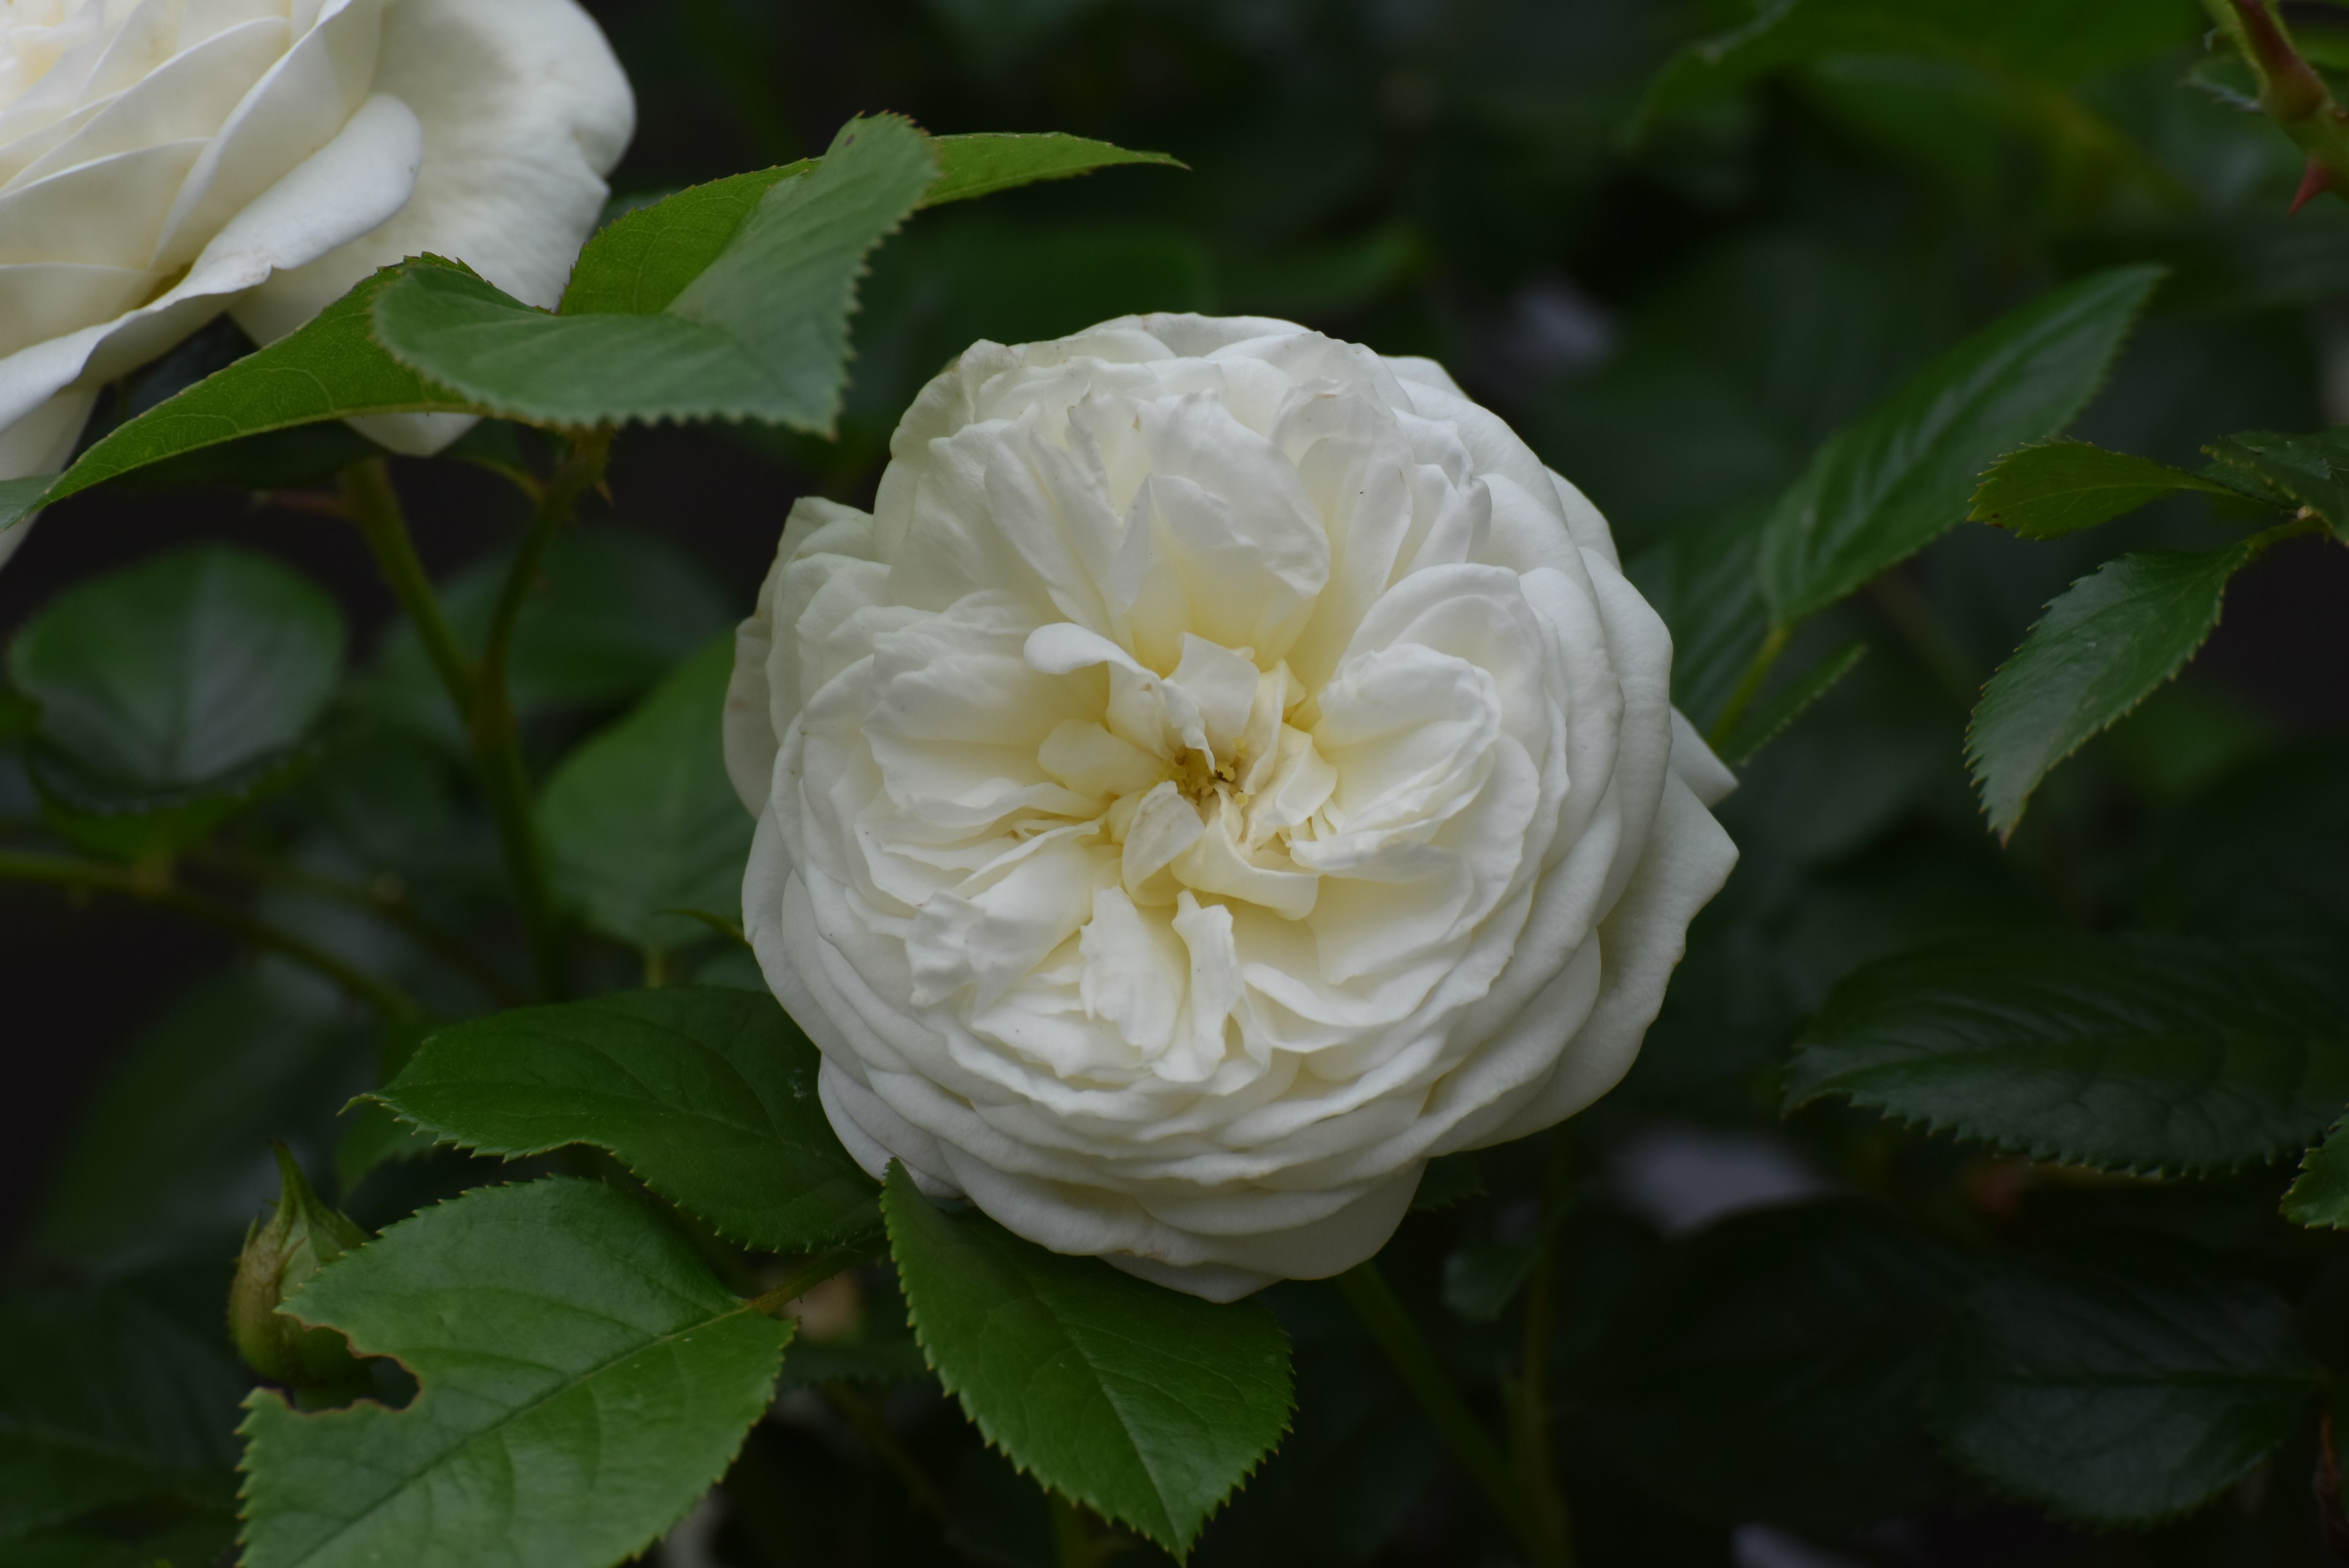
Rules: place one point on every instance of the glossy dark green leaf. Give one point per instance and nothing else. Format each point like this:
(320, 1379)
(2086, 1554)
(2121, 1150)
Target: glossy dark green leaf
(1147, 1405)
(1886, 487)
(1770, 717)
(2122, 1386)
(176, 690)
(105, 1402)
(759, 333)
(2136, 1052)
(2320, 1195)
(583, 1379)
(1772, 1366)
(708, 1094)
(175, 1145)
(2310, 471)
(2107, 643)
(329, 369)
(641, 821)
(2060, 487)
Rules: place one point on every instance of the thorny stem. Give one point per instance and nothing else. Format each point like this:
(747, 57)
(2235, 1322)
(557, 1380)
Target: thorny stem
(1407, 1350)
(2292, 93)
(144, 884)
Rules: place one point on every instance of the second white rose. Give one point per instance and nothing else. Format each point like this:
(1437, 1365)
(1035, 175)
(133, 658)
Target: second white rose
(1226, 770)
(162, 161)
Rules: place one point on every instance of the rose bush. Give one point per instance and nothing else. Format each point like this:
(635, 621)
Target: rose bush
(1226, 770)
(163, 160)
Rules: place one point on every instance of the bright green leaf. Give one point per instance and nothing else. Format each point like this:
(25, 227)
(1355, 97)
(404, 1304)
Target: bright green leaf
(329, 369)
(174, 691)
(1145, 1405)
(1765, 723)
(1883, 488)
(986, 162)
(759, 333)
(2105, 644)
(583, 1379)
(103, 1402)
(2133, 1053)
(2310, 471)
(1770, 1366)
(2320, 1196)
(644, 258)
(708, 1094)
(641, 819)
(2060, 487)
(2121, 1388)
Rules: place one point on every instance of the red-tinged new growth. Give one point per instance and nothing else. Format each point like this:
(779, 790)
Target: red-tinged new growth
(2294, 96)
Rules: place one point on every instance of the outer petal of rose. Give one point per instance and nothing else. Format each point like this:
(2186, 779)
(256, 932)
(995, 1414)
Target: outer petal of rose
(525, 111)
(349, 186)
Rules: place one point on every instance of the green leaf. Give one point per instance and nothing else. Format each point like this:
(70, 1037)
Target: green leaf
(641, 819)
(2312, 470)
(2060, 487)
(1883, 488)
(583, 1380)
(174, 691)
(1701, 581)
(328, 369)
(2132, 1053)
(1758, 726)
(104, 1402)
(708, 1095)
(2046, 40)
(643, 259)
(2320, 1195)
(759, 333)
(2105, 644)
(2122, 1387)
(1145, 1405)
(174, 1149)
(1771, 1367)
(20, 498)
(987, 162)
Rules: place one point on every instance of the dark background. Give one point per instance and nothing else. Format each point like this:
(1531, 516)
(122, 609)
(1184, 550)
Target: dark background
(1428, 176)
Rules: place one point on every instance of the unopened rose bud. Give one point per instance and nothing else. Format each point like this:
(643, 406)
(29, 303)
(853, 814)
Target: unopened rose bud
(299, 1239)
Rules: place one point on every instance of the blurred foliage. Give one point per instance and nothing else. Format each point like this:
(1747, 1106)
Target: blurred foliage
(1679, 244)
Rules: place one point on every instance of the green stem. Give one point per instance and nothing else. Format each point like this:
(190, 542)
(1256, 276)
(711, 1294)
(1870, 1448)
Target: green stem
(391, 907)
(1537, 1461)
(871, 1427)
(2290, 92)
(1073, 1538)
(1749, 685)
(373, 505)
(1366, 1289)
(497, 734)
(60, 871)
(814, 1272)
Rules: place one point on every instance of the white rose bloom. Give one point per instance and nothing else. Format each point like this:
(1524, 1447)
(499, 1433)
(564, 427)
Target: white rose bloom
(1226, 770)
(163, 160)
